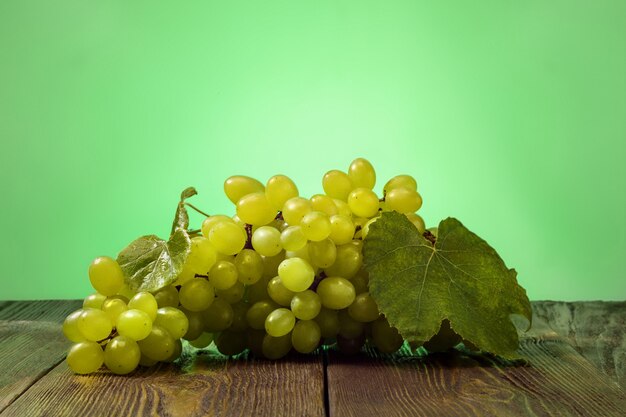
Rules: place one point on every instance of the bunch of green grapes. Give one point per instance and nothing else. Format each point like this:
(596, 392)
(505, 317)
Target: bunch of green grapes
(285, 272)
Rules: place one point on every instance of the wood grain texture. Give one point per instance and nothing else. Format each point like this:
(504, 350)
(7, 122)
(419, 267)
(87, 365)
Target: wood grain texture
(31, 342)
(575, 354)
(202, 384)
(558, 382)
(596, 329)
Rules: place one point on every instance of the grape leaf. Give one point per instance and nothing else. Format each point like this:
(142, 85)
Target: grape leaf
(150, 263)
(418, 285)
(181, 219)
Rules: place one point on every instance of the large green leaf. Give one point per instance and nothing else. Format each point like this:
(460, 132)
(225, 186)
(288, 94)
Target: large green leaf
(150, 263)
(418, 285)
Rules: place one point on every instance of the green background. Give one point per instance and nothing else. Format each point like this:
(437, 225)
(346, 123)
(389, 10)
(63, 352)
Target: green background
(510, 114)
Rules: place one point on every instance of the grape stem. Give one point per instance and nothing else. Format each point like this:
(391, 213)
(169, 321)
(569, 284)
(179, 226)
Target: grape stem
(197, 209)
(106, 340)
(248, 244)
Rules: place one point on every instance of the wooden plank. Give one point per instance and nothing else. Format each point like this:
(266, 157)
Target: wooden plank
(4, 304)
(39, 310)
(31, 343)
(596, 329)
(202, 384)
(557, 381)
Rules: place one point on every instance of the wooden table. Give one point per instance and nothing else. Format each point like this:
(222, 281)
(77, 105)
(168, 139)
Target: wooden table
(576, 354)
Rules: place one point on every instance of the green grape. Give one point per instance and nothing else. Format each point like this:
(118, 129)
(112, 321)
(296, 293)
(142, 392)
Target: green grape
(254, 341)
(360, 281)
(385, 338)
(364, 308)
(255, 209)
(266, 241)
(94, 301)
(202, 341)
(122, 355)
(223, 275)
(366, 227)
(231, 343)
(350, 346)
(202, 255)
(196, 324)
(209, 222)
(228, 238)
(196, 295)
(328, 320)
(233, 294)
(278, 223)
(279, 322)
(249, 266)
(323, 253)
(279, 189)
(238, 186)
(336, 292)
(238, 221)
(347, 263)
(70, 327)
(306, 305)
(363, 202)
(296, 274)
(362, 173)
(178, 350)
(146, 302)
(258, 291)
(134, 324)
(239, 323)
(113, 307)
(120, 297)
(348, 327)
(270, 264)
(125, 292)
(342, 207)
(276, 347)
(106, 276)
(400, 181)
(94, 324)
(146, 361)
(417, 221)
(359, 222)
(278, 292)
(403, 200)
(159, 345)
(315, 226)
(292, 238)
(358, 243)
(337, 184)
(341, 229)
(324, 204)
(218, 317)
(173, 320)
(166, 297)
(306, 336)
(258, 312)
(300, 253)
(85, 357)
(185, 275)
(295, 209)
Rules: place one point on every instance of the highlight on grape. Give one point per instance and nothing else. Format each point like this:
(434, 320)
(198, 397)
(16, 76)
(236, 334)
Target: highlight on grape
(285, 272)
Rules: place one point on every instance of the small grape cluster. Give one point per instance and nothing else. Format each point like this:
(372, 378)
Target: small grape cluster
(285, 272)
